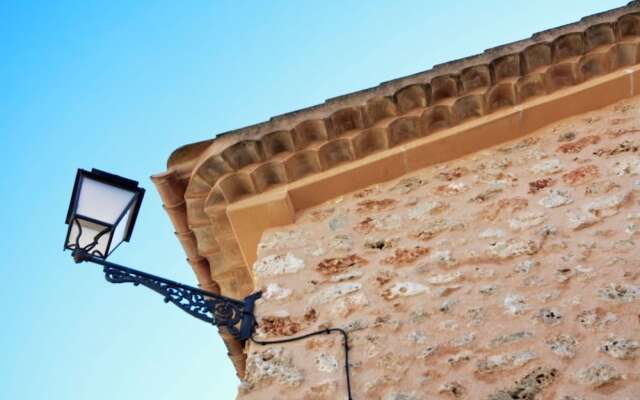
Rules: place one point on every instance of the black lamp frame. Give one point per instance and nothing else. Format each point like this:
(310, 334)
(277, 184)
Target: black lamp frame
(236, 316)
(73, 217)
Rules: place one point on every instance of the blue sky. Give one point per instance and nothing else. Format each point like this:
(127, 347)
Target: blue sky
(117, 85)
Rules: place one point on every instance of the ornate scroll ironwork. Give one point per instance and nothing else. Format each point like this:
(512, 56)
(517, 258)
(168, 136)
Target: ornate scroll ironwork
(234, 315)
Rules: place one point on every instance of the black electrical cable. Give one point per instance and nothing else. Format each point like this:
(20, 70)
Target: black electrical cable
(327, 331)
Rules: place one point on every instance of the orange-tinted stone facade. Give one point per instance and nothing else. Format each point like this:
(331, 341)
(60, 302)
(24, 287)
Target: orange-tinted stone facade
(511, 273)
(505, 92)
(223, 194)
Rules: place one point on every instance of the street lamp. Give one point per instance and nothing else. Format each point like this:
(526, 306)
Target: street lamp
(102, 214)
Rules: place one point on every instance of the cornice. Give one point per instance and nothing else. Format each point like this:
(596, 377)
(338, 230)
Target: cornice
(203, 180)
(208, 176)
(483, 70)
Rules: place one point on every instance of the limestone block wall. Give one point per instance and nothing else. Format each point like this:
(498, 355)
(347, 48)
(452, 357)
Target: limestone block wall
(512, 273)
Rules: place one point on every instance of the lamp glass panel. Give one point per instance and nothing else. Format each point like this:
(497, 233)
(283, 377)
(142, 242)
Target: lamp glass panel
(89, 231)
(101, 201)
(121, 229)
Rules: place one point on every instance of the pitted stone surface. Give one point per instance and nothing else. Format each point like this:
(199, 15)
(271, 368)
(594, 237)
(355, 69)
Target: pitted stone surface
(598, 375)
(404, 289)
(563, 345)
(515, 304)
(278, 265)
(205, 178)
(275, 292)
(529, 386)
(272, 365)
(620, 347)
(326, 363)
(501, 362)
(556, 198)
(527, 220)
(335, 291)
(531, 293)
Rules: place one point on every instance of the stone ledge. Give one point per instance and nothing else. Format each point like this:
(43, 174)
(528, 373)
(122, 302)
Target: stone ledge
(255, 214)
(213, 190)
(229, 233)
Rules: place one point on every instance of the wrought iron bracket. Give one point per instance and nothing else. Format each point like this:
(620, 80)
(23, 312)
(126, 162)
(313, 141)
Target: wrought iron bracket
(236, 316)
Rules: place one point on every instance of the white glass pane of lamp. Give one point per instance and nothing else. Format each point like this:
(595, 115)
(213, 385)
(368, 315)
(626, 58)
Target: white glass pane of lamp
(102, 202)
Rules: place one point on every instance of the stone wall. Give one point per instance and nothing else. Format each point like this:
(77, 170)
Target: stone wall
(510, 274)
(206, 183)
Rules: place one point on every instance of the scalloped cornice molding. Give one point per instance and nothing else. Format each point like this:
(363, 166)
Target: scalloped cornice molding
(221, 194)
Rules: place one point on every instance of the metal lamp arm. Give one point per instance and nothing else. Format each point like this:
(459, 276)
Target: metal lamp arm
(235, 315)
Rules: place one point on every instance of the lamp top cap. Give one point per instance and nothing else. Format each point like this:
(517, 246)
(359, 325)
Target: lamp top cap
(110, 178)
